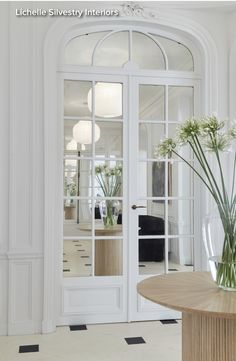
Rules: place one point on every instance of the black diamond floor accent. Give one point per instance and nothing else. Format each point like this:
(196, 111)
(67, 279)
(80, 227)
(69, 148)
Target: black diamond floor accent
(80, 250)
(188, 264)
(88, 264)
(64, 261)
(78, 327)
(142, 265)
(29, 348)
(134, 340)
(84, 256)
(168, 322)
(172, 269)
(66, 270)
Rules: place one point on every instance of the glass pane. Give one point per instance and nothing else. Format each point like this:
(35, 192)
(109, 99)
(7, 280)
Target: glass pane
(113, 51)
(108, 100)
(108, 257)
(75, 98)
(78, 218)
(180, 219)
(151, 180)
(152, 223)
(108, 217)
(180, 180)
(77, 178)
(110, 143)
(146, 53)
(180, 103)
(80, 49)
(150, 136)
(77, 258)
(151, 256)
(82, 131)
(151, 102)
(179, 56)
(108, 178)
(180, 254)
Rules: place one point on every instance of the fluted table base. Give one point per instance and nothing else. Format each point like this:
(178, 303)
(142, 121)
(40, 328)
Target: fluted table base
(207, 338)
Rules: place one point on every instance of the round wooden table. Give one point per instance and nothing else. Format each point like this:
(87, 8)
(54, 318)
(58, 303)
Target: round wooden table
(209, 313)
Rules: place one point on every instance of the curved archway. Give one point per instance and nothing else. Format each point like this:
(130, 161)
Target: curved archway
(57, 35)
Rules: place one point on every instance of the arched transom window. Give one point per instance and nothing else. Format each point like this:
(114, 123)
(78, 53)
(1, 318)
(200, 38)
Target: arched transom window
(119, 48)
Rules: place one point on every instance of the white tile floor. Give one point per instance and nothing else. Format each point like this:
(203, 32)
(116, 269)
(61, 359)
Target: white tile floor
(99, 343)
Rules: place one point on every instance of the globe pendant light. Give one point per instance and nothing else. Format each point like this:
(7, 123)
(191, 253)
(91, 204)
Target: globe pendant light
(108, 100)
(82, 132)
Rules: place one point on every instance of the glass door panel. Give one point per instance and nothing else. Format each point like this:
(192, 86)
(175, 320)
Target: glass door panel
(165, 187)
(93, 178)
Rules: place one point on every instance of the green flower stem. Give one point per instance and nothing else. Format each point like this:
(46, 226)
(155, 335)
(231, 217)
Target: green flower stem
(209, 169)
(195, 171)
(202, 161)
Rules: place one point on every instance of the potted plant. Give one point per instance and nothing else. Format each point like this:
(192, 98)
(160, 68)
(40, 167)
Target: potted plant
(203, 136)
(109, 179)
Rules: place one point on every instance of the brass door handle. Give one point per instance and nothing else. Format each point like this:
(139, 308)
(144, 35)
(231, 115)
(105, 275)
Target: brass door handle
(135, 207)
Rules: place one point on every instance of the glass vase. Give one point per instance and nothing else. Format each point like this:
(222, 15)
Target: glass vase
(219, 239)
(109, 210)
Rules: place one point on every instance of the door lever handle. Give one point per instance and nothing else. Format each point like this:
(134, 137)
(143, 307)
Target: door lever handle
(135, 207)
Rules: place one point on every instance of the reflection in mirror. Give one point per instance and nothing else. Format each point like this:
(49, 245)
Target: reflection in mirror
(77, 258)
(108, 180)
(150, 136)
(182, 184)
(78, 218)
(111, 140)
(75, 98)
(180, 106)
(108, 256)
(180, 254)
(108, 217)
(108, 100)
(77, 179)
(151, 180)
(82, 146)
(151, 256)
(151, 222)
(180, 217)
(151, 102)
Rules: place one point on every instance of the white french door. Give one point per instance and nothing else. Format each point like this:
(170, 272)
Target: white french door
(155, 231)
(161, 192)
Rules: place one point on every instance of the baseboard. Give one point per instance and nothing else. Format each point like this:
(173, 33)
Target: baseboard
(48, 326)
(3, 329)
(24, 328)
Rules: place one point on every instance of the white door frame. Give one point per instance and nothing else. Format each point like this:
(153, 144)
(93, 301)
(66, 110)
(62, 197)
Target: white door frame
(52, 149)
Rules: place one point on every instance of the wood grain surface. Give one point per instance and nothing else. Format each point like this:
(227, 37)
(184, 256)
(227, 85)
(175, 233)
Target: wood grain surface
(191, 292)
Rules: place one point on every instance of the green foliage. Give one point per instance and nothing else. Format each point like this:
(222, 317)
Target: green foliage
(204, 135)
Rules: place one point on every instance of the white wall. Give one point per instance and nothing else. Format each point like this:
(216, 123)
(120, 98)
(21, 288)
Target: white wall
(22, 152)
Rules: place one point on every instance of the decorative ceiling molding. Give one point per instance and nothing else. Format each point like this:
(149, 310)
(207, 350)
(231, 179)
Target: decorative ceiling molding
(136, 10)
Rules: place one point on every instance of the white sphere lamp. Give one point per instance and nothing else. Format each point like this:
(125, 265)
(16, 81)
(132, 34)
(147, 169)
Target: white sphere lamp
(108, 100)
(82, 132)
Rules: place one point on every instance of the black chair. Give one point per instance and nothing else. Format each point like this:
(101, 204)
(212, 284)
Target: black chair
(152, 249)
